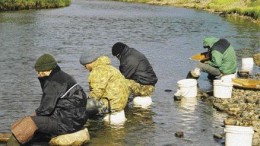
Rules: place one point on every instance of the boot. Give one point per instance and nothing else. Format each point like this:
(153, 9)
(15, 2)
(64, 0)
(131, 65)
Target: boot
(12, 141)
(190, 76)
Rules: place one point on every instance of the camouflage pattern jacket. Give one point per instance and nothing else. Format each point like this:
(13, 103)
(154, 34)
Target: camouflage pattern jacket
(105, 81)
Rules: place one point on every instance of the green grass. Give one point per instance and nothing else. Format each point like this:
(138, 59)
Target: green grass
(32, 4)
(250, 8)
(243, 8)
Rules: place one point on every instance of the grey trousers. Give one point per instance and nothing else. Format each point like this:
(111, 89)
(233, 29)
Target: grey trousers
(209, 69)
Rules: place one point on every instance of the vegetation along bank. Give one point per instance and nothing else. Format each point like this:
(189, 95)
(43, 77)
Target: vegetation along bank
(6, 5)
(245, 8)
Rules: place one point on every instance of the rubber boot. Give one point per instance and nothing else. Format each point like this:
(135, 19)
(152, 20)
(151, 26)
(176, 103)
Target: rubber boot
(12, 141)
(189, 76)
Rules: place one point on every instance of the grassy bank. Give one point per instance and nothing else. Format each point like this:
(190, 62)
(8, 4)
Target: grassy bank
(6, 5)
(247, 8)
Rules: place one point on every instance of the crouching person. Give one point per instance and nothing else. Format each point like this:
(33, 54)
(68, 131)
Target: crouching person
(108, 88)
(62, 108)
(222, 61)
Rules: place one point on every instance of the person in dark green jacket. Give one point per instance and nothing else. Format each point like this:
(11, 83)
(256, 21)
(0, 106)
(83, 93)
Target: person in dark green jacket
(222, 59)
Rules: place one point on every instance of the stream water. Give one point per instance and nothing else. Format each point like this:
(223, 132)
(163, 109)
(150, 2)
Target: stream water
(168, 36)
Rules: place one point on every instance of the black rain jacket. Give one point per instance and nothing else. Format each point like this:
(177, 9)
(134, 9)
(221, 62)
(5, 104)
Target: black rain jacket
(135, 66)
(63, 101)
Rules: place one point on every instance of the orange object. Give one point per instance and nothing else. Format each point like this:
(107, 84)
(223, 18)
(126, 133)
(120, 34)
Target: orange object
(201, 56)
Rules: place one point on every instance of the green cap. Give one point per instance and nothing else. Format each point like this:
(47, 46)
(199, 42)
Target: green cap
(45, 62)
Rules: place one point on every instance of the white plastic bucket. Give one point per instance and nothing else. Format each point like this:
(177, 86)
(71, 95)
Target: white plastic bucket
(187, 87)
(228, 78)
(222, 89)
(247, 64)
(142, 101)
(238, 135)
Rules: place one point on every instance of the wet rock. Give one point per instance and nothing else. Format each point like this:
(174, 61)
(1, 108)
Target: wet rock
(251, 99)
(179, 134)
(256, 140)
(218, 136)
(177, 98)
(167, 90)
(220, 106)
(256, 58)
(231, 121)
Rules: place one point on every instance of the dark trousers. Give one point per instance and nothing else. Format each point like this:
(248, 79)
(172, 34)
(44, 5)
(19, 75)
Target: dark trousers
(47, 125)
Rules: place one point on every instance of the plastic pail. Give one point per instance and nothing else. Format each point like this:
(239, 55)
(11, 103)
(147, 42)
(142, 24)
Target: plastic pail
(188, 87)
(238, 135)
(222, 89)
(228, 78)
(247, 64)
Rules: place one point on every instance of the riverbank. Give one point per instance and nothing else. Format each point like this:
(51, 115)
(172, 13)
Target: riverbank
(249, 9)
(8, 5)
(243, 109)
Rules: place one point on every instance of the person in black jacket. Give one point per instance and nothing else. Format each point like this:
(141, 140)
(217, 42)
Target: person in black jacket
(62, 108)
(136, 68)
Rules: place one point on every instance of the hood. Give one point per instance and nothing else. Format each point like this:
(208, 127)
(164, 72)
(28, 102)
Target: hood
(210, 41)
(102, 60)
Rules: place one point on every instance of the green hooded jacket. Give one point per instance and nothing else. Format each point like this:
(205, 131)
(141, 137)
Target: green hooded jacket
(223, 55)
(105, 81)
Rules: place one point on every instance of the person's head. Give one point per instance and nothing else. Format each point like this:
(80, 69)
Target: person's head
(208, 42)
(118, 48)
(45, 64)
(87, 60)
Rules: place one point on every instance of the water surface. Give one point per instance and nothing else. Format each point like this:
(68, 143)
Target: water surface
(168, 36)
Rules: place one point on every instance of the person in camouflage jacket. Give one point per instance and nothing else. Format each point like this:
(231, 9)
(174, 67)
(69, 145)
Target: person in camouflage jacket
(107, 85)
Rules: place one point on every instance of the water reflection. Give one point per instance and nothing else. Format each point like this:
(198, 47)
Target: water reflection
(138, 120)
(189, 104)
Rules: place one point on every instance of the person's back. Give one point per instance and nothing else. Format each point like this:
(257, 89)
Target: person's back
(108, 84)
(138, 71)
(223, 55)
(229, 62)
(63, 97)
(134, 65)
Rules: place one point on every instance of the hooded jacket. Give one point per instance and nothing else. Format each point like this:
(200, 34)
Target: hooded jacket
(223, 55)
(63, 100)
(135, 66)
(107, 84)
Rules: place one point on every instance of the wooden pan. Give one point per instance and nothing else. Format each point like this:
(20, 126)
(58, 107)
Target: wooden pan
(200, 56)
(246, 83)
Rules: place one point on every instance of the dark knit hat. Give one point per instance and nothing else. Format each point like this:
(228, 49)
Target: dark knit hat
(118, 48)
(45, 62)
